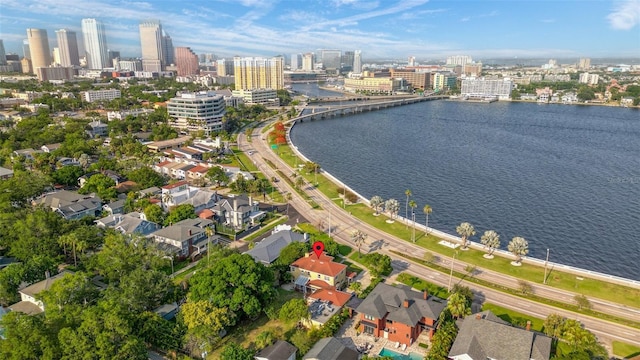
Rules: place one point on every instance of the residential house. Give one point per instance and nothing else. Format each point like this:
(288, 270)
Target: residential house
(152, 191)
(238, 211)
(176, 193)
(114, 207)
(188, 153)
(184, 238)
(28, 154)
(167, 311)
(486, 336)
(29, 303)
(268, 250)
(129, 224)
(98, 129)
(197, 172)
(202, 199)
(233, 173)
(49, 148)
(313, 273)
(399, 314)
(280, 350)
(71, 205)
(5, 173)
(331, 349)
(626, 101)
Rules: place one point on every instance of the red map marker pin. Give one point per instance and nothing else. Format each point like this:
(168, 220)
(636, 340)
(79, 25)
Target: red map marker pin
(318, 248)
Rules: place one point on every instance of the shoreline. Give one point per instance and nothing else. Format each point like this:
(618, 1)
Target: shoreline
(446, 236)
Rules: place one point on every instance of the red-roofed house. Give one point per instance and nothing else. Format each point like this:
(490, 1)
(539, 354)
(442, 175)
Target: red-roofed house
(197, 172)
(312, 268)
(336, 297)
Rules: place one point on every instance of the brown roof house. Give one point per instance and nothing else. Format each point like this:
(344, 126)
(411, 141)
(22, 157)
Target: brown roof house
(29, 304)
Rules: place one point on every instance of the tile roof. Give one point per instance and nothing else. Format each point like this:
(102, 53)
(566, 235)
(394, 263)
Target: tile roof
(336, 297)
(175, 185)
(323, 265)
(480, 337)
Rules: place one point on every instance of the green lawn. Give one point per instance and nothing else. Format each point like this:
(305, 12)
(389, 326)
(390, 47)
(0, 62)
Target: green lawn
(625, 350)
(421, 284)
(245, 333)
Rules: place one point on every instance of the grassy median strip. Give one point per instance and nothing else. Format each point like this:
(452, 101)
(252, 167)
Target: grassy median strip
(528, 296)
(624, 350)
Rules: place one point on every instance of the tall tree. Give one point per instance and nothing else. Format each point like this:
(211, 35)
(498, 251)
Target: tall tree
(179, 213)
(491, 240)
(294, 310)
(406, 206)
(519, 247)
(465, 230)
(376, 201)
(458, 305)
(358, 238)
(204, 320)
(392, 206)
(427, 210)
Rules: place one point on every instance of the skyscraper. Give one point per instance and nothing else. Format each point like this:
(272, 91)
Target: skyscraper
(331, 60)
(25, 49)
(186, 61)
(168, 50)
(68, 47)
(296, 61)
(357, 62)
(307, 62)
(224, 67)
(347, 61)
(95, 44)
(39, 48)
(3, 54)
(258, 73)
(152, 44)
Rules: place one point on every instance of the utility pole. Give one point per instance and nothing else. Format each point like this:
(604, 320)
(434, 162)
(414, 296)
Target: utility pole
(544, 281)
(451, 273)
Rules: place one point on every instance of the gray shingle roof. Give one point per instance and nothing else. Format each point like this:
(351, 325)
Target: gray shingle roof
(281, 350)
(386, 299)
(330, 349)
(268, 250)
(480, 338)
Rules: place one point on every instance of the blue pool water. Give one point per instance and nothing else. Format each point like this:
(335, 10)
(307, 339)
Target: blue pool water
(397, 356)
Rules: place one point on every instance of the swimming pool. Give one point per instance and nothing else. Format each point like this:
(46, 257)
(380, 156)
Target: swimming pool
(397, 356)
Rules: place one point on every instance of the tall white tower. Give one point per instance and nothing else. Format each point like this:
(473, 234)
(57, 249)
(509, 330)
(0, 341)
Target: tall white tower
(357, 62)
(152, 44)
(95, 44)
(68, 47)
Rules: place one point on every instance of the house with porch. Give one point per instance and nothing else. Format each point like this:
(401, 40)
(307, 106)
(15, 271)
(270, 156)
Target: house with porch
(175, 194)
(185, 238)
(71, 205)
(485, 336)
(29, 303)
(268, 250)
(312, 273)
(129, 224)
(237, 211)
(399, 314)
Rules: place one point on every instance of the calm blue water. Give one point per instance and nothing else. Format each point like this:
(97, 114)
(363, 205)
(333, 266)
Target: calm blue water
(563, 177)
(312, 90)
(397, 356)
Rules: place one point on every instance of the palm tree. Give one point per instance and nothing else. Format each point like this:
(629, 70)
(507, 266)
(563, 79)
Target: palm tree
(358, 238)
(427, 210)
(166, 199)
(465, 230)
(375, 202)
(490, 240)
(406, 205)
(458, 305)
(299, 181)
(413, 205)
(392, 206)
(518, 247)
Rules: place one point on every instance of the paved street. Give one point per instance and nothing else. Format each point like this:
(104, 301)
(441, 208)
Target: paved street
(340, 223)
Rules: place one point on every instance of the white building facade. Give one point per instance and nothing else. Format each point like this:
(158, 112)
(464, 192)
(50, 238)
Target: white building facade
(480, 88)
(192, 112)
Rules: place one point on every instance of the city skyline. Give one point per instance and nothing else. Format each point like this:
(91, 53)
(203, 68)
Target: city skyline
(387, 30)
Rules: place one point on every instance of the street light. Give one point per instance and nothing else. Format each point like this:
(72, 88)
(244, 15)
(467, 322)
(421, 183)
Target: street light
(544, 281)
(453, 259)
(413, 219)
(170, 258)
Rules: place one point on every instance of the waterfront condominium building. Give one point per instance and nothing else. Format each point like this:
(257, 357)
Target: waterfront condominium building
(151, 41)
(357, 62)
(480, 88)
(95, 44)
(258, 73)
(39, 48)
(307, 62)
(68, 47)
(186, 61)
(191, 112)
(417, 80)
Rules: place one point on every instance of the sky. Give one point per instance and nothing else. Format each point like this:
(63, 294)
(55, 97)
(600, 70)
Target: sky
(382, 29)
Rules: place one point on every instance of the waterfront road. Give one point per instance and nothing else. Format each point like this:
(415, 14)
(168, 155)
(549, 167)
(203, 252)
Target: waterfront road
(334, 219)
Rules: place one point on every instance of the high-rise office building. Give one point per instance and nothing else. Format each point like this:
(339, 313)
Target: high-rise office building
(95, 44)
(296, 61)
(3, 54)
(68, 47)
(258, 73)
(307, 62)
(25, 49)
(357, 62)
(331, 60)
(347, 61)
(151, 41)
(186, 61)
(39, 48)
(168, 50)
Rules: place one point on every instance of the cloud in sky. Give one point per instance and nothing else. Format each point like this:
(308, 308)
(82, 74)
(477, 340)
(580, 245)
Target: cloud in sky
(626, 15)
